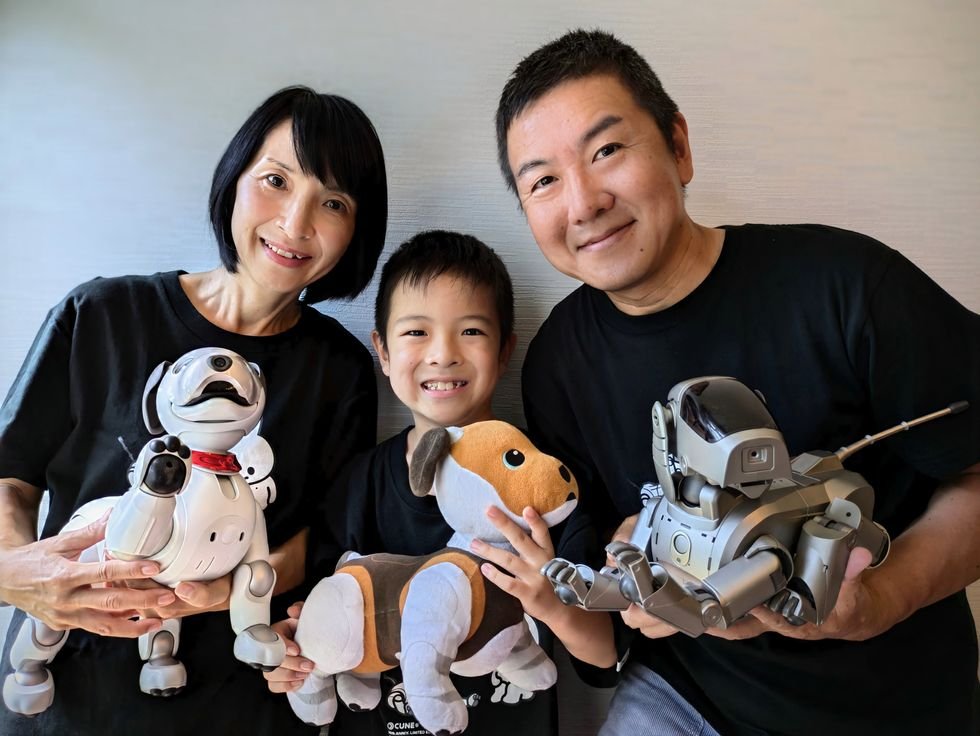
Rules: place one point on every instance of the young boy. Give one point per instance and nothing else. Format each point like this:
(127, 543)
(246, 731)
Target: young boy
(444, 335)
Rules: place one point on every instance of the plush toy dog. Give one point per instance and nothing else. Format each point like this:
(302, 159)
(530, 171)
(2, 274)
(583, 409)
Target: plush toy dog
(437, 613)
(188, 508)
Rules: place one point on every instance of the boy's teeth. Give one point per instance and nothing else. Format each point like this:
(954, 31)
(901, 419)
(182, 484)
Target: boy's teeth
(442, 385)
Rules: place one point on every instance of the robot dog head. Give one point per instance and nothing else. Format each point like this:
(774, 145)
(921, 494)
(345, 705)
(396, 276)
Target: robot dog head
(210, 398)
(490, 463)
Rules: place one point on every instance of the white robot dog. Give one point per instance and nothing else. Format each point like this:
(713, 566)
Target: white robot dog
(188, 508)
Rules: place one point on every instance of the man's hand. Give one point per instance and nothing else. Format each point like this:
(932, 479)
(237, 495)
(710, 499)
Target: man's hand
(634, 616)
(46, 580)
(522, 576)
(860, 613)
(293, 671)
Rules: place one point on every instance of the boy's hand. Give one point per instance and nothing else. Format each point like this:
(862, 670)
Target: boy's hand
(294, 669)
(525, 581)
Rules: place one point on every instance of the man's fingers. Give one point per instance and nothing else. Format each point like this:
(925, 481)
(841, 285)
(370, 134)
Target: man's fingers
(625, 529)
(650, 626)
(294, 610)
(857, 563)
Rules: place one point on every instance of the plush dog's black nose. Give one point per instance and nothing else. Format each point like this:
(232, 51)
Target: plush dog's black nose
(571, 497)
(566, 476)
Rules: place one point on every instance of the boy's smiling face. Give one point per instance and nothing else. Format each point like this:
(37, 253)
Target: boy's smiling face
(443, 353)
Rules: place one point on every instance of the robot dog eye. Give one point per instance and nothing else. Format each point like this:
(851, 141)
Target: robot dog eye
(513, 459)
(219, 362)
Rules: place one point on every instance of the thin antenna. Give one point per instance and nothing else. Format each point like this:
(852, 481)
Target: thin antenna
(954, 408)
(122, 442)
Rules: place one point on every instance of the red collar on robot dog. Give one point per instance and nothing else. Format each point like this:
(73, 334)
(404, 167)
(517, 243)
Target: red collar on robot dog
(216, 462)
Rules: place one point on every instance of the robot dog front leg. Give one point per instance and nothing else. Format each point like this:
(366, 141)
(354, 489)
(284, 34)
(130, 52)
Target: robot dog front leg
(825, 544)
(252, 582)
(692, 605)
(141, 523)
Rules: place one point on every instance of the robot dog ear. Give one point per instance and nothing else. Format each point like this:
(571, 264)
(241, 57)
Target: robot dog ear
(259, 373)
(150, 417)
(431, 449)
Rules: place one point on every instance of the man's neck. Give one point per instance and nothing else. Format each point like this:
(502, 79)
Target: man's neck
(692, 258)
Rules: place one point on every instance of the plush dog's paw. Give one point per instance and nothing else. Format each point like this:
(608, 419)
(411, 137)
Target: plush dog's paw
(163, 466)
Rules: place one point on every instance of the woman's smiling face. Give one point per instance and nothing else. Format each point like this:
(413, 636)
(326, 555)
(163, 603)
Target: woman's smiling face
(290, 228)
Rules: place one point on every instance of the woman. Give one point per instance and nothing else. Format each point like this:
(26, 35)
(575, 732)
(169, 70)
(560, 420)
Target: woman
(299, 208)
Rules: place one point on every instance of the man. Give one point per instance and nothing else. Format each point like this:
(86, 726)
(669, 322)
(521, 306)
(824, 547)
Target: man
(842, 335)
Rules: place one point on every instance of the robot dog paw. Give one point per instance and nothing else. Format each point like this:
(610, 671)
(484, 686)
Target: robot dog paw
(624, 553)
(569, 586)
(163, 677)
(260, 647)
(26, 697)
(163, 466)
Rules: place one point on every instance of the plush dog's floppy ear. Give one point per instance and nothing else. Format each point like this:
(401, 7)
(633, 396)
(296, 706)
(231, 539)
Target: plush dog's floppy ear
(429, 452)
(150, 417)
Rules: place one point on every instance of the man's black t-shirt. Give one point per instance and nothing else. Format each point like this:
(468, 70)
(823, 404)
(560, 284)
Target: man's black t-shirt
(844, 337)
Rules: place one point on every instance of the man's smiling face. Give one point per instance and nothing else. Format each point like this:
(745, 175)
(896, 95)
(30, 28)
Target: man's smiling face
(602, 190)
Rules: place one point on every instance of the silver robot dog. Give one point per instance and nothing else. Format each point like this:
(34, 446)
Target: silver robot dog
(735, 523)
(188, 508)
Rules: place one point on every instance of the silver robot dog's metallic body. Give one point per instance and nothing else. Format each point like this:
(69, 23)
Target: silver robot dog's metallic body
(735, 523)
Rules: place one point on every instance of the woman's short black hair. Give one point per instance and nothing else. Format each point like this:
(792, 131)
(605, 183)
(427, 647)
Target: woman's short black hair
(334, 141)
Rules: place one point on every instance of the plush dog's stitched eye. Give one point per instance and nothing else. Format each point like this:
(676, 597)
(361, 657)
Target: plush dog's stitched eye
(513, 459)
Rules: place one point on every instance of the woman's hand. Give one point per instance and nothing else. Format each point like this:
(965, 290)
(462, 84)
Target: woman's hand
(190, 597)
(46, 580)
(293, 671)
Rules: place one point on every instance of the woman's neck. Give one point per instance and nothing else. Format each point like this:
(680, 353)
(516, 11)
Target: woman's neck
(233, 303)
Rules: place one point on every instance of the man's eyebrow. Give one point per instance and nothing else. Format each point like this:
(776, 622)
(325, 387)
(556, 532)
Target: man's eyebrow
(607, 122)
(528, 165)
(603, 125)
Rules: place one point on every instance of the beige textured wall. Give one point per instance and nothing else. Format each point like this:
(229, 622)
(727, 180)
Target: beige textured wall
(112, 115)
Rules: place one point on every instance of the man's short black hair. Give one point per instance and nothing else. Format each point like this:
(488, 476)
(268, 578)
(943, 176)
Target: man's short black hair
(335, 142)
(576, 55)
(433, 253)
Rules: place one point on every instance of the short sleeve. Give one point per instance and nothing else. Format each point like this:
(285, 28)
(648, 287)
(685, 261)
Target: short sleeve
(35, 417)
(920, 351)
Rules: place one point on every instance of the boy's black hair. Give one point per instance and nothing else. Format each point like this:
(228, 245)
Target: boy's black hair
(576, 55)
(335, 142)
(433, 253)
